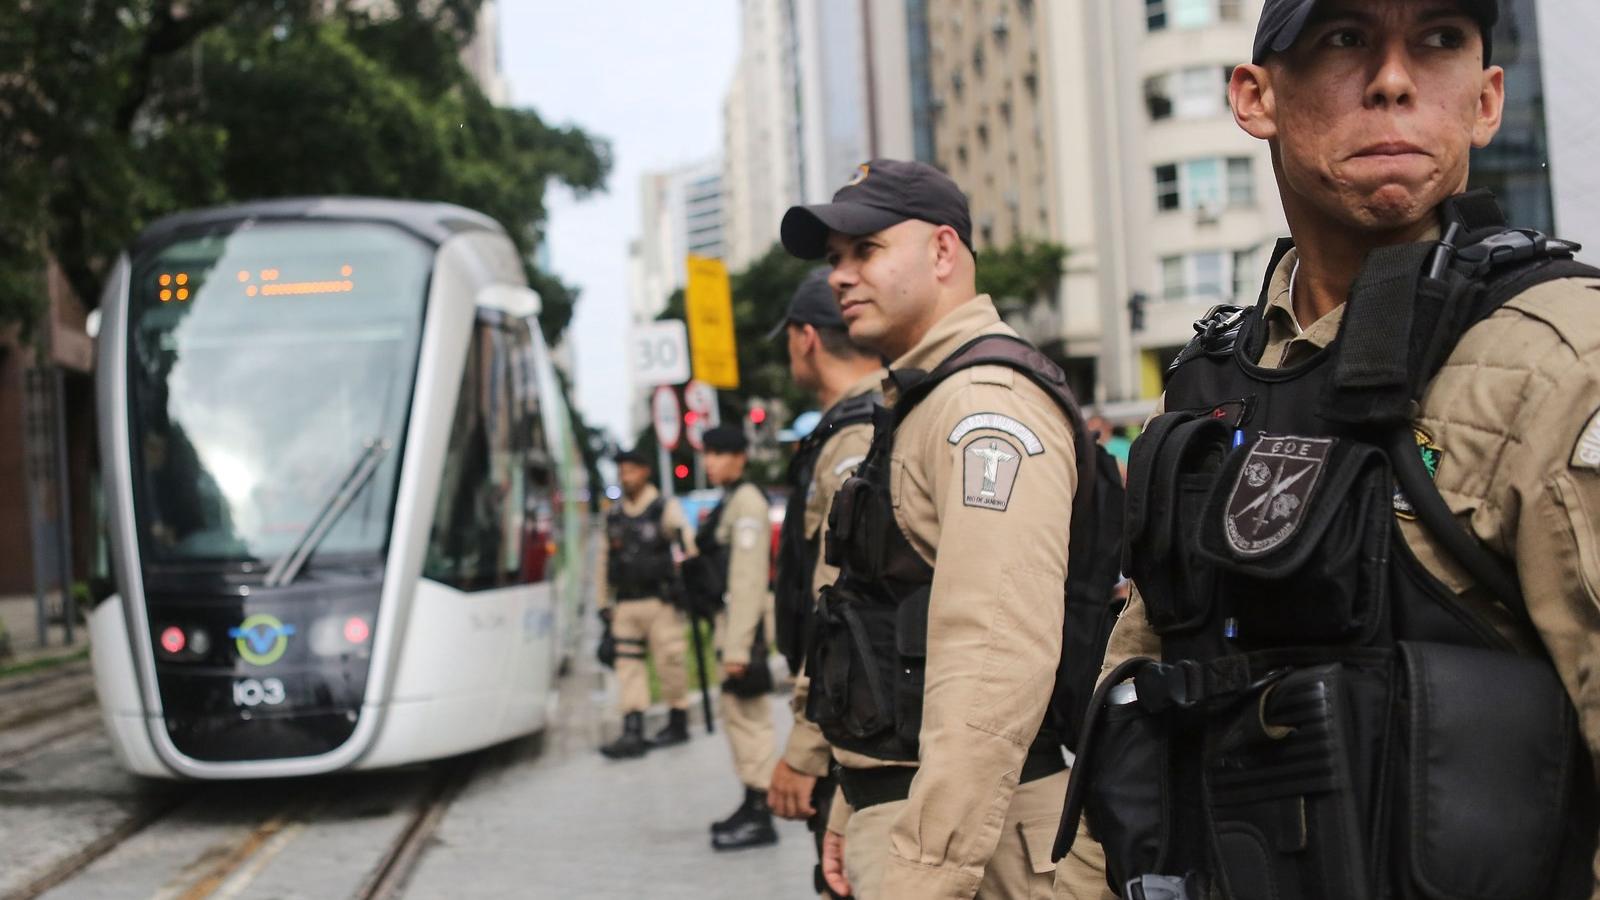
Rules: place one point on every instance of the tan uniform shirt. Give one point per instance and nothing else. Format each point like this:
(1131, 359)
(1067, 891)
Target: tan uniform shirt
(807, 750)
(1516, 413)
(982, 477)
(673, 522)
(747, 531)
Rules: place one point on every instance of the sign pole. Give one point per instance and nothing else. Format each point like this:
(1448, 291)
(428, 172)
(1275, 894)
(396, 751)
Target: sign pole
(664, 466)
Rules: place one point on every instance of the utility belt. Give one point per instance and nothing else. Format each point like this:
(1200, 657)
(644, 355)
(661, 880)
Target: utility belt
(866, 788)
(624, 596)
(1452, 771)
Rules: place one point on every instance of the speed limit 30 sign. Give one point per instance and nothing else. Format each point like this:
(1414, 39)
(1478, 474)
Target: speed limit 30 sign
(660, 353)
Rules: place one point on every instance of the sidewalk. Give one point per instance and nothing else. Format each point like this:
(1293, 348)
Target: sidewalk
(19, 624)
(569, 823)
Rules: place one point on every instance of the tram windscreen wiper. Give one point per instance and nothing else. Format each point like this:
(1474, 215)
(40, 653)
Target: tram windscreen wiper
(360, 472)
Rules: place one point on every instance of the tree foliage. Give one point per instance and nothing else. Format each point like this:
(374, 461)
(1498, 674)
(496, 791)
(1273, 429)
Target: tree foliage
(1022, 271)
(114, 112)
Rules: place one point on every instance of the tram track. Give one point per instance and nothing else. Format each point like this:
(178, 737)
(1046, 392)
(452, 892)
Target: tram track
(228, 868)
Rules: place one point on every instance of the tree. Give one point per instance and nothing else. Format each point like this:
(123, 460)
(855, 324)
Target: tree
(1023, 271)
(124, 110)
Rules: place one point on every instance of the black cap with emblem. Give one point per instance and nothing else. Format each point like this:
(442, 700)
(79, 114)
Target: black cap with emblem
(726, 439)
(884, 192)
(1282, 21)
(813, 304)
(632, 456)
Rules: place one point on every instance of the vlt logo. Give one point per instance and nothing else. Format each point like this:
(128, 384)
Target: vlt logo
(261, 639)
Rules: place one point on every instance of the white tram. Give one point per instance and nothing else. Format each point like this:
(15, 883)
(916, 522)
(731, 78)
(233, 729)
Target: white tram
(343, 492)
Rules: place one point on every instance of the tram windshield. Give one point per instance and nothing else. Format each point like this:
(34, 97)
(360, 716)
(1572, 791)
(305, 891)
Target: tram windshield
(262, 360)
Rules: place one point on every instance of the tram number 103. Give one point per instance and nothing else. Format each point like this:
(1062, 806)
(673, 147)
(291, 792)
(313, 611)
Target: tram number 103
(253, 692)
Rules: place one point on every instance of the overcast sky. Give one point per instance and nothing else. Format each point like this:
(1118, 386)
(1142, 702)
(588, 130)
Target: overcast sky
(650, 77)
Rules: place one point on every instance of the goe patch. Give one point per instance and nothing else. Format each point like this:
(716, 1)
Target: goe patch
(1272, 493)
(989, 472)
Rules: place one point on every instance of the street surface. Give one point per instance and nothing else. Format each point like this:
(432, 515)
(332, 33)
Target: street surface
(546, 817)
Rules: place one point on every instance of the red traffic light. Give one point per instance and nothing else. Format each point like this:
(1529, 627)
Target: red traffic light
(173, 640)
(757, 415)
(682, 471)
(691, 417)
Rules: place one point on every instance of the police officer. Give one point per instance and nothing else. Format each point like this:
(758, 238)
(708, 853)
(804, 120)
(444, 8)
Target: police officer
(737, 538)
(932, 681)
(1364, 528)
(636, 572)
(844, 378)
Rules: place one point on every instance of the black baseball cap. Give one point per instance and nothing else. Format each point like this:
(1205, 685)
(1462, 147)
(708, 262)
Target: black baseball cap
(632, 456)
(884, 192)
(813, 304)
(1282, 21)
(725, 439)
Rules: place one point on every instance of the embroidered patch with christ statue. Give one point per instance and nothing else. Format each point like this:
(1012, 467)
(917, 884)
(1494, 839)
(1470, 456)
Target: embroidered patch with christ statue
(989, 472)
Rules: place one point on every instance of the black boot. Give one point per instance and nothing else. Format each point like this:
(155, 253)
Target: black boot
(631, 745)
(751, 798)
(752, 829)
(676, 732)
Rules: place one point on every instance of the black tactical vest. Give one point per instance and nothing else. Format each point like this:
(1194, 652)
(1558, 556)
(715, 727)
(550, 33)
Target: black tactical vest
(793, 597)
(1326, 721)
(639, 558)
(868, 658)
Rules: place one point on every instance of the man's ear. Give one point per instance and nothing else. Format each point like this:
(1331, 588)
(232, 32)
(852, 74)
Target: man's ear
(1491, 106)
(947, 248)
(1254, 105)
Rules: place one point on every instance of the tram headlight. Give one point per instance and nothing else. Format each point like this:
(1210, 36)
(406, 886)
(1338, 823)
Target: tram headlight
(341, 636)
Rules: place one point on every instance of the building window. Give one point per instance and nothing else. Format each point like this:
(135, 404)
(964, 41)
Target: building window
(1206, 275)
(1155, 14)
(1174, 282)
(1241, 182)
(1158, 97)
(1167, 188)
(1201, 180)
(1200, 184)
(1245, 277)
(1193, 13)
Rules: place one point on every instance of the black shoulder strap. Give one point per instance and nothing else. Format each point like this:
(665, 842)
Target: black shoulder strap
(993, 350)
(1408, 309)
(656, 509)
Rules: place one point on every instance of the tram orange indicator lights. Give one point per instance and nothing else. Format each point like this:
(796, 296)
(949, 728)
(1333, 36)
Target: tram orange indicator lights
(250, 291)
(166, 280)
(183, 293)
(345, 270)
(244, 276)
(166, 294)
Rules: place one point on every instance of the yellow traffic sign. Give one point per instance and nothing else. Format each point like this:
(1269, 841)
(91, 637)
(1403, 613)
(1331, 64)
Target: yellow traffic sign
(708, 305)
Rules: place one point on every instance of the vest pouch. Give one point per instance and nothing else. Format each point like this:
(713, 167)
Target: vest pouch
(911, 656)
(1128, 806)
(1171, 470)
(850, 697)
(1298, 530)
(1492, 763)
(1292, 777)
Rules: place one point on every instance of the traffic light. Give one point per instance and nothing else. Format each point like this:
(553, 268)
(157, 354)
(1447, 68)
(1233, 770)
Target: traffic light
(758, 415)
(682, 471)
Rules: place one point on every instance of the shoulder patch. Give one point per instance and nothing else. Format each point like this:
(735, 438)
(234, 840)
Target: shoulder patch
(998, 422)
(989, 472)
(1586, 455)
